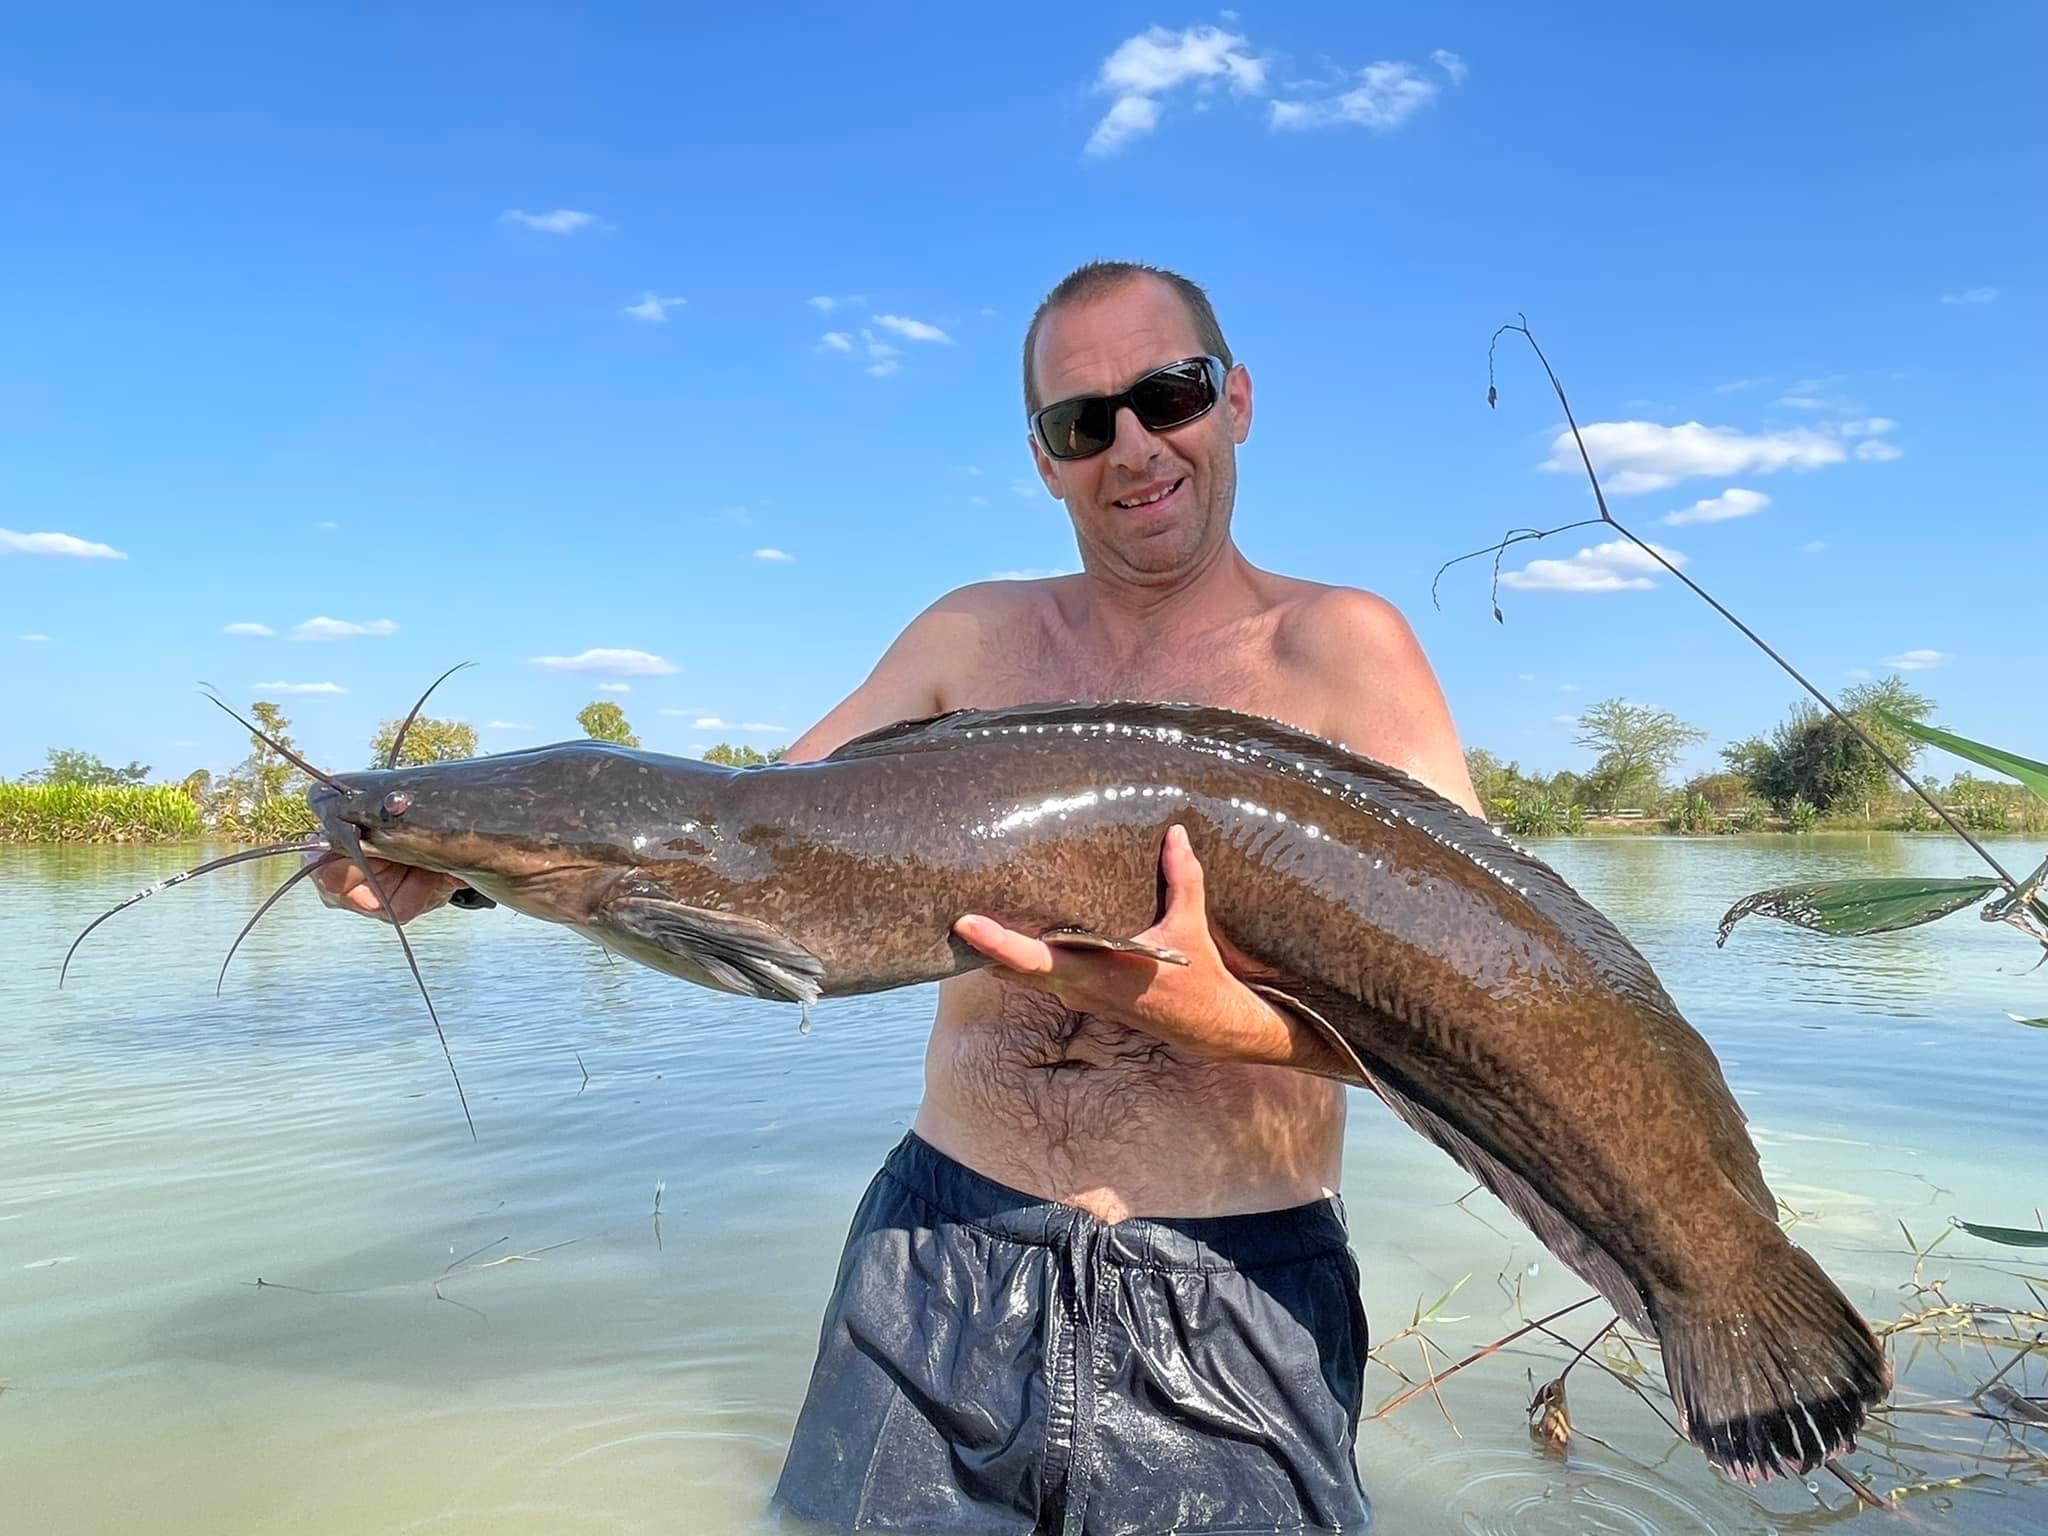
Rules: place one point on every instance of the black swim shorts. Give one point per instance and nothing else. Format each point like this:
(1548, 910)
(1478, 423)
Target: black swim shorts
(994, 1363)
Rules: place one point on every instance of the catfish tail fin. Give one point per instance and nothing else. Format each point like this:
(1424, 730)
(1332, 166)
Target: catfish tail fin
(1774, 1375)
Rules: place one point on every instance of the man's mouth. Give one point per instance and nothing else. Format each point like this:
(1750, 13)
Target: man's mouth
(1148, 497)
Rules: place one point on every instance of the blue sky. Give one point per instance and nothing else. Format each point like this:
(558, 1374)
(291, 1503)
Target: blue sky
(491, 334)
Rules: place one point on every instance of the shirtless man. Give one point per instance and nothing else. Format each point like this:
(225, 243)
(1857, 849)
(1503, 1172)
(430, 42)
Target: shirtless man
(1104, 1284)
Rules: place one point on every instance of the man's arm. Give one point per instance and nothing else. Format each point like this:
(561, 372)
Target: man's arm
(1382, 695)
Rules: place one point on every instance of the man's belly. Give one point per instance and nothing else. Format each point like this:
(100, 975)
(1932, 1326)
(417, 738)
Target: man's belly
(1074, 1108)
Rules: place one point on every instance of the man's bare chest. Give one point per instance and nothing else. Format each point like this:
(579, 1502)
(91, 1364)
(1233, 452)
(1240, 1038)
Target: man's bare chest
(1245, 675)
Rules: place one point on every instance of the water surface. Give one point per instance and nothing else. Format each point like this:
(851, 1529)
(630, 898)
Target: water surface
(499, 1335)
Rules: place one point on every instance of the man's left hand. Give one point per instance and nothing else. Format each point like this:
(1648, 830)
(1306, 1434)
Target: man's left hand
(1202, 1008)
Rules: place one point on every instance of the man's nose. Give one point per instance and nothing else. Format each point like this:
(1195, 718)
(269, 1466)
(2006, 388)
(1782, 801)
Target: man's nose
(1133, 447)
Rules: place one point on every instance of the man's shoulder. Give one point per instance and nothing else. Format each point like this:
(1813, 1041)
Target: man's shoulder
(1320, 624)
(975, 607)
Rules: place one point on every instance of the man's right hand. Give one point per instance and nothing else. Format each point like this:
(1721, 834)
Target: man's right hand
(412, 891)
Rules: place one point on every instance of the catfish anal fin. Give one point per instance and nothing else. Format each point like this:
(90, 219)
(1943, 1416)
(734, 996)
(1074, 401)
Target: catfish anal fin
(1082, 938)
(738, 954)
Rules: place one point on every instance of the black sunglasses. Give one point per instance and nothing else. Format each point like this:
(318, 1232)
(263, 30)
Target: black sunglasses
(1165, 398)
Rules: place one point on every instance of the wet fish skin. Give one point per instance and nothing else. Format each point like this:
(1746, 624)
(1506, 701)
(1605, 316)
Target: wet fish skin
(1496, 1011)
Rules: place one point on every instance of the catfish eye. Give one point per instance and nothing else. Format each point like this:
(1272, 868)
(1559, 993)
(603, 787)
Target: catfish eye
(397, 803)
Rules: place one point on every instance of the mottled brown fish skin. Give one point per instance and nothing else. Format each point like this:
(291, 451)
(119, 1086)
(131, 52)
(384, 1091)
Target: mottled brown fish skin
(1496, 1011)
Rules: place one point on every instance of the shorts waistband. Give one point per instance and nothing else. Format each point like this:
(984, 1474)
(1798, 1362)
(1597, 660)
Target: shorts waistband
(1249, 1241)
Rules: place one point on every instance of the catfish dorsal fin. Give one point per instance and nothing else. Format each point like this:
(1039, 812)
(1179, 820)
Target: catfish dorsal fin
(895, 736)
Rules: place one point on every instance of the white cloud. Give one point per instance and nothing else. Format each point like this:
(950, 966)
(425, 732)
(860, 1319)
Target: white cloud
(1131, 118)
(1638, 456)
(1736, 386)
(668, 709)
(1871, 451)
(1564, 719)
(617, 661)
(1813, 546)
(562, 221)
(1917, 661)
(1146, 67)
(1526, 677)
(507, 725)
(1156, 60)
(246, 627)
(64, 544)
(977, 501)
(882, 370)
(330, 525)
(971, 471)
(878, 347)
(824, 304)
(1873, 426)
(1024, 486)
(1567, 687)
(652, 309)
(1972, 296)
(1731, 503)
(1861, 674)
(714, 723)
(297, 688)
(835, 341)
(1388, 93)
(914, 330)
(342, 629)
(36, 639)
(1450, 64)
(615, 687)
(1616, 566)
(775, 555)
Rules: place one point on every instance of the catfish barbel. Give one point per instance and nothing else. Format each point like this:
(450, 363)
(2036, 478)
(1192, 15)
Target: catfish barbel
(1487, 1003)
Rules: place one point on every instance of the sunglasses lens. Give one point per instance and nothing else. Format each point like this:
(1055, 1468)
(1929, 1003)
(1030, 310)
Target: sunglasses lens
(1076, 428)
(1173, 395)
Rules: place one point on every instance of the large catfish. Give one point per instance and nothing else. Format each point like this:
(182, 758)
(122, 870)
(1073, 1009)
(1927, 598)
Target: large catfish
(1491, 1007)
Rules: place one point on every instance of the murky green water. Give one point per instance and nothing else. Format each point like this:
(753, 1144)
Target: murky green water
(498, 1335)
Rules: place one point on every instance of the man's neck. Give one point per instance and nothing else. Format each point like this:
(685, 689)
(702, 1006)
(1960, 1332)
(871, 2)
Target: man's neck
(1123, 616)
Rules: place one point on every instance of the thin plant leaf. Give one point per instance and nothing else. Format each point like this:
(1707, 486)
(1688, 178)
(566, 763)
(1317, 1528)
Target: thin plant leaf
(2011, 1237)
(2030, 1023)
(2030, 773)
(1851, 907)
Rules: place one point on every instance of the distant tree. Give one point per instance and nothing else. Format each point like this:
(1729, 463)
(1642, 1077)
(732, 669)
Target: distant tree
(776, 754)
(726, 755)
(1813, 756)
(427, 741)
(1724, 791)
(1637, 745)
(269, 776)
(602, 720)
(67, 765)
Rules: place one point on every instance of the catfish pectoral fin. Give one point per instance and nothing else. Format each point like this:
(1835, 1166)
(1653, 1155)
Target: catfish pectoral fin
(733, 953)
(1082, 938)
(1332, 1036)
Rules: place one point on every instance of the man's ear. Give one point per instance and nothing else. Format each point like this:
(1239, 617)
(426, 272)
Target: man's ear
(1048, 471)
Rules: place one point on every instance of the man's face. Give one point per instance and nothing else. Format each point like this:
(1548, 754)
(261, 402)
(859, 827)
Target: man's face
(1099, 348)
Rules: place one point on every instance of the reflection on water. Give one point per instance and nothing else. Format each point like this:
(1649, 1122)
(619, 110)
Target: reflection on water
(466, 1336)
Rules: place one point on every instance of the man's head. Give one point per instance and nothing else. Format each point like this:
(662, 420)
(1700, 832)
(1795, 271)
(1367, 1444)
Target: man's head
(1105, 326)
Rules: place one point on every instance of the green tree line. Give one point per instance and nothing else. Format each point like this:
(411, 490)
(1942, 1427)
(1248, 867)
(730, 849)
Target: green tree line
(77, 797)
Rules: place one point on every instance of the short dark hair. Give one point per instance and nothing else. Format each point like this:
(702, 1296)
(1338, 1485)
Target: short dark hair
(1092, 280)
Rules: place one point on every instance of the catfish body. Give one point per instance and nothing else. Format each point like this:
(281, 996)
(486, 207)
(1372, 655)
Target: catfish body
(1495, 1011)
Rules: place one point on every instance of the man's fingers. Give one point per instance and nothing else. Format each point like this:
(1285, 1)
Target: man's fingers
(1014, 950)
(1183, 871)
